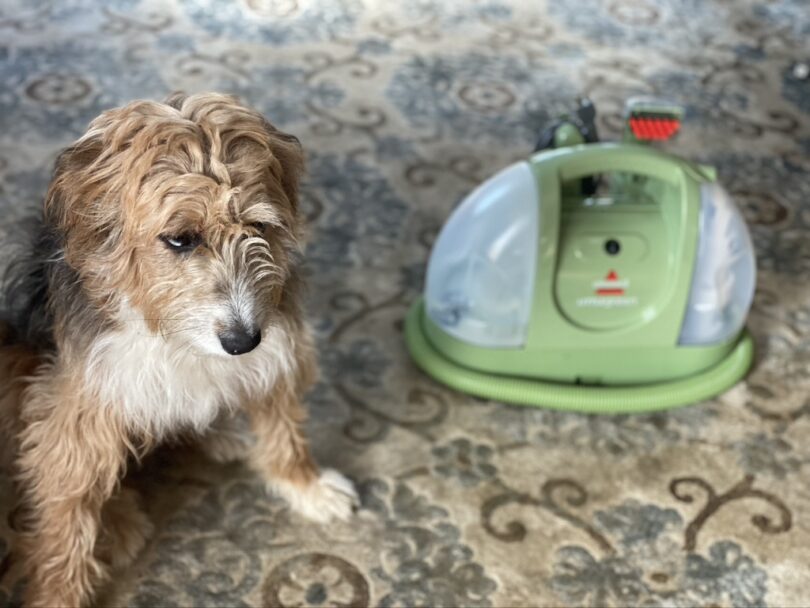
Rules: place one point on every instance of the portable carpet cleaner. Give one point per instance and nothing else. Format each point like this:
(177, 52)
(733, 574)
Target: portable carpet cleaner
(597, 277)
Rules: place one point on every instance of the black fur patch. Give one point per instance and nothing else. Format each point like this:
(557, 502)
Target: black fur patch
(35, 251)
(39, 287)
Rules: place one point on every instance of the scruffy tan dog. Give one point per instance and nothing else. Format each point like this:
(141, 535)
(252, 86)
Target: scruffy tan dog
(161, 292)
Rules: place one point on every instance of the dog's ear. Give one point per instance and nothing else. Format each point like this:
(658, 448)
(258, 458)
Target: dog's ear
(71, 194)
(78, 202)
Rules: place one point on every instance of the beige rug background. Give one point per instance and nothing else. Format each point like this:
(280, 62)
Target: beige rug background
(403, 108)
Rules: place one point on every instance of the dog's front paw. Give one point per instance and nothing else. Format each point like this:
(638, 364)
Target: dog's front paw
(331, 496)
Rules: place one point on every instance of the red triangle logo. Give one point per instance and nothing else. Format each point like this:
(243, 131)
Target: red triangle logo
(612, 276)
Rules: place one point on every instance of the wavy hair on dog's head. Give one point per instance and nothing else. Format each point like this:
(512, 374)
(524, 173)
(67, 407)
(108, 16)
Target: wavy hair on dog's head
(203, 168)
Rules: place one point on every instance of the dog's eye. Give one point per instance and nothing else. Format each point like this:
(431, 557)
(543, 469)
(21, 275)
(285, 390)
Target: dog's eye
(181, 242)
(260, 226)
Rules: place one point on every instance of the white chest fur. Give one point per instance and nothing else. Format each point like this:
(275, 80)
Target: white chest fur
(162, 386)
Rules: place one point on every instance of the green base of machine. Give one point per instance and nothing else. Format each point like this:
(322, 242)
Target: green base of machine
(592, 399)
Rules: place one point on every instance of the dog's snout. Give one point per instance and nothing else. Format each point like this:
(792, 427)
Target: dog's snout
(239, 340)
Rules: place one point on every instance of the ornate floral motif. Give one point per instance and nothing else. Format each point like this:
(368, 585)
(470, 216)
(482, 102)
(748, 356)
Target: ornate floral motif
(673, 24)
(273, 22)
(761, 453)
(55, 91)
(462, 460)
(502, 97)
(618, 436)
(316, 579)
(211, 555)
(422, 410)
(298, 92)
(350, 232)
(424, 560)
(361, 362)
(562, 498)
(648, 569)
(714, 501)
(54, 88)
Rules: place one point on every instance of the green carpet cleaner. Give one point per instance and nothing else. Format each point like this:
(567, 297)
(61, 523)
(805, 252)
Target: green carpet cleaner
(594, 276)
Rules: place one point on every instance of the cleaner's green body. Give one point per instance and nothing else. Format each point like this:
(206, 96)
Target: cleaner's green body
(618, 354)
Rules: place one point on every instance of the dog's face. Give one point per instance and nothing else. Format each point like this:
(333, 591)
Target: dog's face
(183, 215)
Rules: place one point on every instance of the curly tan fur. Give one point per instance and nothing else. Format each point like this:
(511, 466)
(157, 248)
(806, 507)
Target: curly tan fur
(132, 351)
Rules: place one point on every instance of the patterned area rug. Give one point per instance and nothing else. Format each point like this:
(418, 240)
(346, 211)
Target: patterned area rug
(403, 108)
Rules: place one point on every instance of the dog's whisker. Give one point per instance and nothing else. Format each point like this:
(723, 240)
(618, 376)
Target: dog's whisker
(179, 331)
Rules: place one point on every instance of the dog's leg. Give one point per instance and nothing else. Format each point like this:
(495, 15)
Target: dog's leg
(281, 454)
(125, 529)
(16, 364)
(71, 455)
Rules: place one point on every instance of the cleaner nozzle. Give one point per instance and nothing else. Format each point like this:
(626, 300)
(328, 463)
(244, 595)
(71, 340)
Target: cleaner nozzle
(651, 120)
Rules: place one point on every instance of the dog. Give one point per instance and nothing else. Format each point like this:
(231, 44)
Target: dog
(161, 293)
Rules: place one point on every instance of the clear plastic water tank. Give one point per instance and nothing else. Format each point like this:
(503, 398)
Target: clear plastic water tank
(481, 274)
(724, 276)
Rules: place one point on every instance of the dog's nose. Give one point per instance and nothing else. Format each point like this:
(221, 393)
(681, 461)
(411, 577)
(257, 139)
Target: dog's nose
(240, 340)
